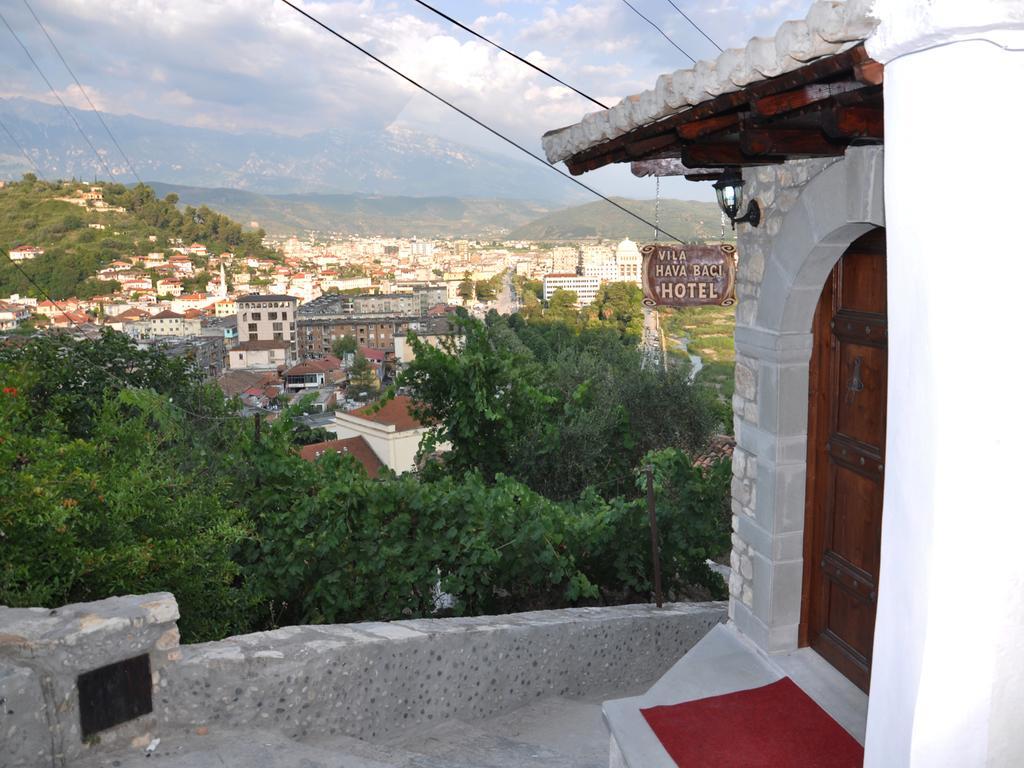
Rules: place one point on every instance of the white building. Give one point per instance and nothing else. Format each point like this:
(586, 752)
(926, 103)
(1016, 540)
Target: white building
(25, 253)
(392, 432)
(584, 287)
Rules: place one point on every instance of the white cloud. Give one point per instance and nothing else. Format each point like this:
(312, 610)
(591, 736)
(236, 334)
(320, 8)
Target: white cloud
(258, 65)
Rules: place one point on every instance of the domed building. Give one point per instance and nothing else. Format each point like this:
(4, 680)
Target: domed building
(629, 261)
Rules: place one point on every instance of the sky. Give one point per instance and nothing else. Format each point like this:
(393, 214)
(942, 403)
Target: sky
(258, 66)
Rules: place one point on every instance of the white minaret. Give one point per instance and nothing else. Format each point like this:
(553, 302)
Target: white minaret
(222, 291)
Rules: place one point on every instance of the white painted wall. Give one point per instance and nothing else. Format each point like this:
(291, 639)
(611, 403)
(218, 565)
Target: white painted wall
(396, 450)
(947, 686)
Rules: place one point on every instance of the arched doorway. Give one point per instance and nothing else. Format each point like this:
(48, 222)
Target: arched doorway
(846, 460)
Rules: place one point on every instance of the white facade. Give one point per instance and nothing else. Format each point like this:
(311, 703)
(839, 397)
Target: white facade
(585, 288)
(395, 448)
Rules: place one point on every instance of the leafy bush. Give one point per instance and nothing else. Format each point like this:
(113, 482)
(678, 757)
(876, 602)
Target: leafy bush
(119, 513)
(558, 407)
(121, 472)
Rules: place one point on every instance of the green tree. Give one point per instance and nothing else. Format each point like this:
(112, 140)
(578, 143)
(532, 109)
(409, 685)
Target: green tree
(562, 306)
(621, 305)
(346, 345)
(116, 466)
(467, 288)
(362, 377)
(474, 396)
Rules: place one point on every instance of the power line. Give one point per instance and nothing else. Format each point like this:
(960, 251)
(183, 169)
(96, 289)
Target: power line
(26, 154)
(479, 122)
(86, 95)
(660, 30)
(694, 25)
(515, 56)
(57, 96)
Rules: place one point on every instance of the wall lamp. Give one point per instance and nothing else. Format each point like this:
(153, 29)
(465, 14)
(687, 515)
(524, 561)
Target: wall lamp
(729, 190)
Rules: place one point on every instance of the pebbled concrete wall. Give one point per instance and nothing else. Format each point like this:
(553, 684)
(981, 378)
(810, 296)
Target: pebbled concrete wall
(43, 651)
(372, 680)
(368, 680)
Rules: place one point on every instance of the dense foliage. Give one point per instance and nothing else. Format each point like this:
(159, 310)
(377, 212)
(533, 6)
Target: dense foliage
(121, 472)
(30, 214)
(560, 407)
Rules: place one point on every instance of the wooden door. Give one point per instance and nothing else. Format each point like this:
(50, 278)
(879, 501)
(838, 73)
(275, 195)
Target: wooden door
(846, 460)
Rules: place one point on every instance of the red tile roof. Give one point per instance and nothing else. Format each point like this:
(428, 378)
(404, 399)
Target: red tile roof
(720, 448)
(394, 411)
(354, 446)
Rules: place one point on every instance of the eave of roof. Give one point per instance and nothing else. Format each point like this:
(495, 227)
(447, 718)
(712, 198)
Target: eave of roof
(831, 27)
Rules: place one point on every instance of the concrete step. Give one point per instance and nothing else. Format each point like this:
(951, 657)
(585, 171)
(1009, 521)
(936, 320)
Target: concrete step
(722, 662)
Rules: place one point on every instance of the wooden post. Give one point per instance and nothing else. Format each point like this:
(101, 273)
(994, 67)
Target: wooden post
(655, 553)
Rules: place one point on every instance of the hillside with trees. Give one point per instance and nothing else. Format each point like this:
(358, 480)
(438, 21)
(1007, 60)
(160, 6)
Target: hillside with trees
(688, 220)
(75, 245)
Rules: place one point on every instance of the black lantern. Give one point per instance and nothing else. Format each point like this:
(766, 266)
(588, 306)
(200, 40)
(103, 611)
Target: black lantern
(729, 190)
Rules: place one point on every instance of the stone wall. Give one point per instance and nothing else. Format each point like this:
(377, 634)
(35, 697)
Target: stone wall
(776, 189)
(43, 651)
(372, 680)
(811, 211)
(367, 680)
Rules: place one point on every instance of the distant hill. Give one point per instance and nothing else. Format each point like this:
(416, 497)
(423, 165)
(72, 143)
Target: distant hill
(451, 216)
(79, 240)
(400, 216)
(392, 161)
(685, 219)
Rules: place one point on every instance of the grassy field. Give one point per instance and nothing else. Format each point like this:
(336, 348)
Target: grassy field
(709, 333)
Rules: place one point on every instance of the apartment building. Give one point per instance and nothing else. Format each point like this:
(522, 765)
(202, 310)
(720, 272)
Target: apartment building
(584, 287)
(266, 329)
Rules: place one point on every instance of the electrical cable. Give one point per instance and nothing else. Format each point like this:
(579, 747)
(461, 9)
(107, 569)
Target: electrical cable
(86, 95)
(476, 120)
(18, 145)
(694, 25)
(660, 30)
(57, 96)
(515, 56)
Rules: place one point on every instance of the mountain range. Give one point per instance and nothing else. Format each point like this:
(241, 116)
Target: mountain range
(391, 181)
(683, 219)
(392, 161)
(402, 216)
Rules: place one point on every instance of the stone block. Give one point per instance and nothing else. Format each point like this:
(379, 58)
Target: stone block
(24, 735)
(60, 644)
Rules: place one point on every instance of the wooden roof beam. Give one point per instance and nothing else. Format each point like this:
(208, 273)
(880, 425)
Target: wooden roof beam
(869, 72)
(789, 142)
(724, 153)
(780, 103)
(854, 123)
(696, 130)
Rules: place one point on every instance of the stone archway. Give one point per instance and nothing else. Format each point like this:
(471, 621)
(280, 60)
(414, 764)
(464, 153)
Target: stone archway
(813, 210)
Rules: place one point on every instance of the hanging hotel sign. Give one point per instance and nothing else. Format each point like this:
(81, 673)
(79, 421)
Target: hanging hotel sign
(689, 275)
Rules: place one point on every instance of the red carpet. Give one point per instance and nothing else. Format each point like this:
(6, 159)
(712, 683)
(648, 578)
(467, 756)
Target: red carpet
(776, 726)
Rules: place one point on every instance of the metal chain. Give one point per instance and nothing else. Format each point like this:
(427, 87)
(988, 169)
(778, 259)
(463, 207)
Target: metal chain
(657, 207)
